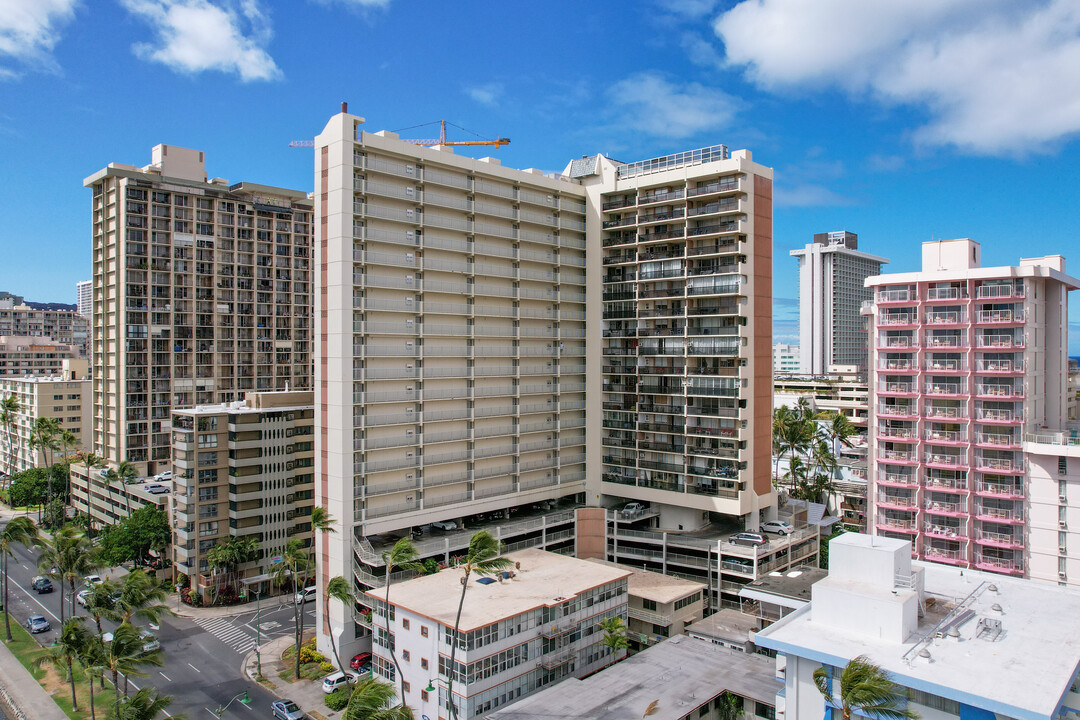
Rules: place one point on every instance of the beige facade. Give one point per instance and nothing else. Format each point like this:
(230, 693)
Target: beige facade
(202, 292)
(450, 379)
(25, 355)
(107, 504)
(65, 398)
(64, 325)
(242, 469)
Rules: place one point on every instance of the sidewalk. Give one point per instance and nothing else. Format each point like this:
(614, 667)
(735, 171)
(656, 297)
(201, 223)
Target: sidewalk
(307, 694)
(22, 693)
(214, 611)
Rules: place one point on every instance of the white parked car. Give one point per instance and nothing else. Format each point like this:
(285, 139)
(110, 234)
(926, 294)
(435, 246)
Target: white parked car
(167, 475)
(444, 525)
(83, 597)
(305, 595)
(777, 526)
(92, 580)
(331, 683)
(633, 510)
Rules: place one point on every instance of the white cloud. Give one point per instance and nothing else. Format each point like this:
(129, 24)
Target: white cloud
(485, 94)
(648, 102)
(996, 76)
(808, 195)
(196, 35)
(29, 30)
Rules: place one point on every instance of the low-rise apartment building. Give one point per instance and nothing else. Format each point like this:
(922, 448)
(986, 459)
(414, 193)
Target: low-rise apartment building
(51, 321)
(520, 631)
(958, 643)
(785, 359)
(22, 355)
(660, 606)
(682, 678)
(63, 397)
(242, 469)
(108, 503)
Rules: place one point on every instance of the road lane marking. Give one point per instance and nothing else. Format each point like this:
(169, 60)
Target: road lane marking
(13, 581)
(194, 668)
(164, 676)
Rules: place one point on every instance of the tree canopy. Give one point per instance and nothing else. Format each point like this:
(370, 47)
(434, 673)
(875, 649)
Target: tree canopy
(133, 537)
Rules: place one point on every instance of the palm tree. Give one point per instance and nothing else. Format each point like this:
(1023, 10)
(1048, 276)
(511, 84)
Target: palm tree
(729, 707)
(125, 654)
(62, 653)
(47, 430)
(293, 565)
(865, 689)
(19, 531)
(9, 411)
(109, 479)
(481, 558)
(100, 604)
(404, 556)
(146, 704)
(782, 420)
(68, 440)
(92, 462)
(336, 589)
(229, 555)
(71, 553)
(92, 659)
(127, 474)
(614, 634)
(140, 597)
(370, 700)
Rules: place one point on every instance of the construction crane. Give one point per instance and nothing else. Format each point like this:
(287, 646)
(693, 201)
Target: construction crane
(441, 140)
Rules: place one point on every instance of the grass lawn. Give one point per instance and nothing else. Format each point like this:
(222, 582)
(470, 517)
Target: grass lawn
(27, 650)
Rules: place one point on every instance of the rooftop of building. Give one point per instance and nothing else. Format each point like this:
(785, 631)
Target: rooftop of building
(839, 241)
(544, 579)
(655, 586)
(988, 640)
(28, 342)
(261, 402)
(43, 379)
(726, 624)
(791, 585)
(678, 675)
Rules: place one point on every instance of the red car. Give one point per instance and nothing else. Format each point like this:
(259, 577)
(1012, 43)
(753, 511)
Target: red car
(360, 660)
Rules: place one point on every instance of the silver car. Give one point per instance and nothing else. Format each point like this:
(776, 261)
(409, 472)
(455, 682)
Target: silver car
(287, 710)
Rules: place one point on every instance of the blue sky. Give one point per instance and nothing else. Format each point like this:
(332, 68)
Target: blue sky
(901, 120)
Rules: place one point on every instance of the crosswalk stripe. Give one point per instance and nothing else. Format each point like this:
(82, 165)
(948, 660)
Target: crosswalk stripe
(222, 628)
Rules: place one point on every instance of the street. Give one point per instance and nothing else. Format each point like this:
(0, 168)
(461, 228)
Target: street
(203, 658)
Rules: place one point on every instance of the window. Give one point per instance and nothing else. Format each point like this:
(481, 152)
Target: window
(405, 623)
(423, 631)
(423, 695)
(405, 655)
(649, 605)
(423, 664)
(703, 711)
(405, 685)
(660, 630)
(763, 710)
(1063, 466)
(208, 440)
(687, 601)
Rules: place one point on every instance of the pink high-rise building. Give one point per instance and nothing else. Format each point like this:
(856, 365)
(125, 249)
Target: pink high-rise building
(963, 360)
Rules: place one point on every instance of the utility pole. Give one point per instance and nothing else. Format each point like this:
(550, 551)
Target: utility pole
(258, 635)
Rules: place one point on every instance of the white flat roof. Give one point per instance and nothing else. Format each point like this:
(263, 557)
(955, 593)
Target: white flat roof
(653, 585)
(544, 580)
(1022, 673)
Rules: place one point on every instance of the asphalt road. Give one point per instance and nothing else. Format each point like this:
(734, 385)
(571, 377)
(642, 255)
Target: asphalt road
(203, 659)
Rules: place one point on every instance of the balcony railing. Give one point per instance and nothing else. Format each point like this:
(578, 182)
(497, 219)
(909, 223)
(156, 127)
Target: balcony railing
(940, 388)
(943, 293)
(945, 341)
(901, 478)
(999, 316)
(906, 410)
(946, 318)
(896, 319)
(953, 459)
(885, 296)
(999, 513)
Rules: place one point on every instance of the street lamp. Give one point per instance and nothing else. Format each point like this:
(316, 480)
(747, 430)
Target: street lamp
(258, 635)
(244, 699)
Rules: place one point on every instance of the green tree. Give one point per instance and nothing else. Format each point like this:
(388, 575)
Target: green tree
(101, 603)
(68, 440)
(27, 488)
(9, 412)
(92, 659)
(140, 597)
(370, 700)
(228, 555)
(46, 435)
(864, 689)
(92, 462)
(133, 538)
(127, 474)
(62, 653)
(402, 555)
(729, 707)
(124, 654)
(336, 589)
(293, 566)
(614, 634)
(482, 558)
(19, 531)
(73, 556)
(146, 704)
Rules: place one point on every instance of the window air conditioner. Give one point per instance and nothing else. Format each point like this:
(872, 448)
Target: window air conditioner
(1062, 524)
(1063, 550)
(1062, 575)
(1063, 498)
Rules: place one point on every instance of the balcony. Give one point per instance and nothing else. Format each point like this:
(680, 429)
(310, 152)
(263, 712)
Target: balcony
(945, 484)
(999, 317)
(998, 290)
(946, 460)
(998, 539)
(942, 293)
(897, 365)
(999, 464)
(1000, 490)
(898, 479)
(998, 416)
(1011, 566)
(944, 555)
(939, 507)
(944, 530)
(990, 513)
(999, 366)
(897, 319)
(897, 342)
(946, 317)
(946, 341)
(999, 341)
(1004, 440)
(893, 296)
(897, 388)
(902, 433)
(898, 456)
(897, 501)
(935, 365)
(945, 388)
(1001, 390)
(897, 524)
(946, 436)
(898, 410)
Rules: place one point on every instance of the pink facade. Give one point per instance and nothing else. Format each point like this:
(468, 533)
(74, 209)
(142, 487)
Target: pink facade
(953, 381)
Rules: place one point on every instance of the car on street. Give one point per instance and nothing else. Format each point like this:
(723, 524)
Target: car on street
(777, 526)
(287, 710)
(747, 538)
(92, 580)
(83, 597)
(359, 660)
(150, 643)
(41, 584)
(305, 595)
(331, 683)
(37, 624)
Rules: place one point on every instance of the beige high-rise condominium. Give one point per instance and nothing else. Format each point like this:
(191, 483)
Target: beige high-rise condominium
(202, 292)
(451, 370)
